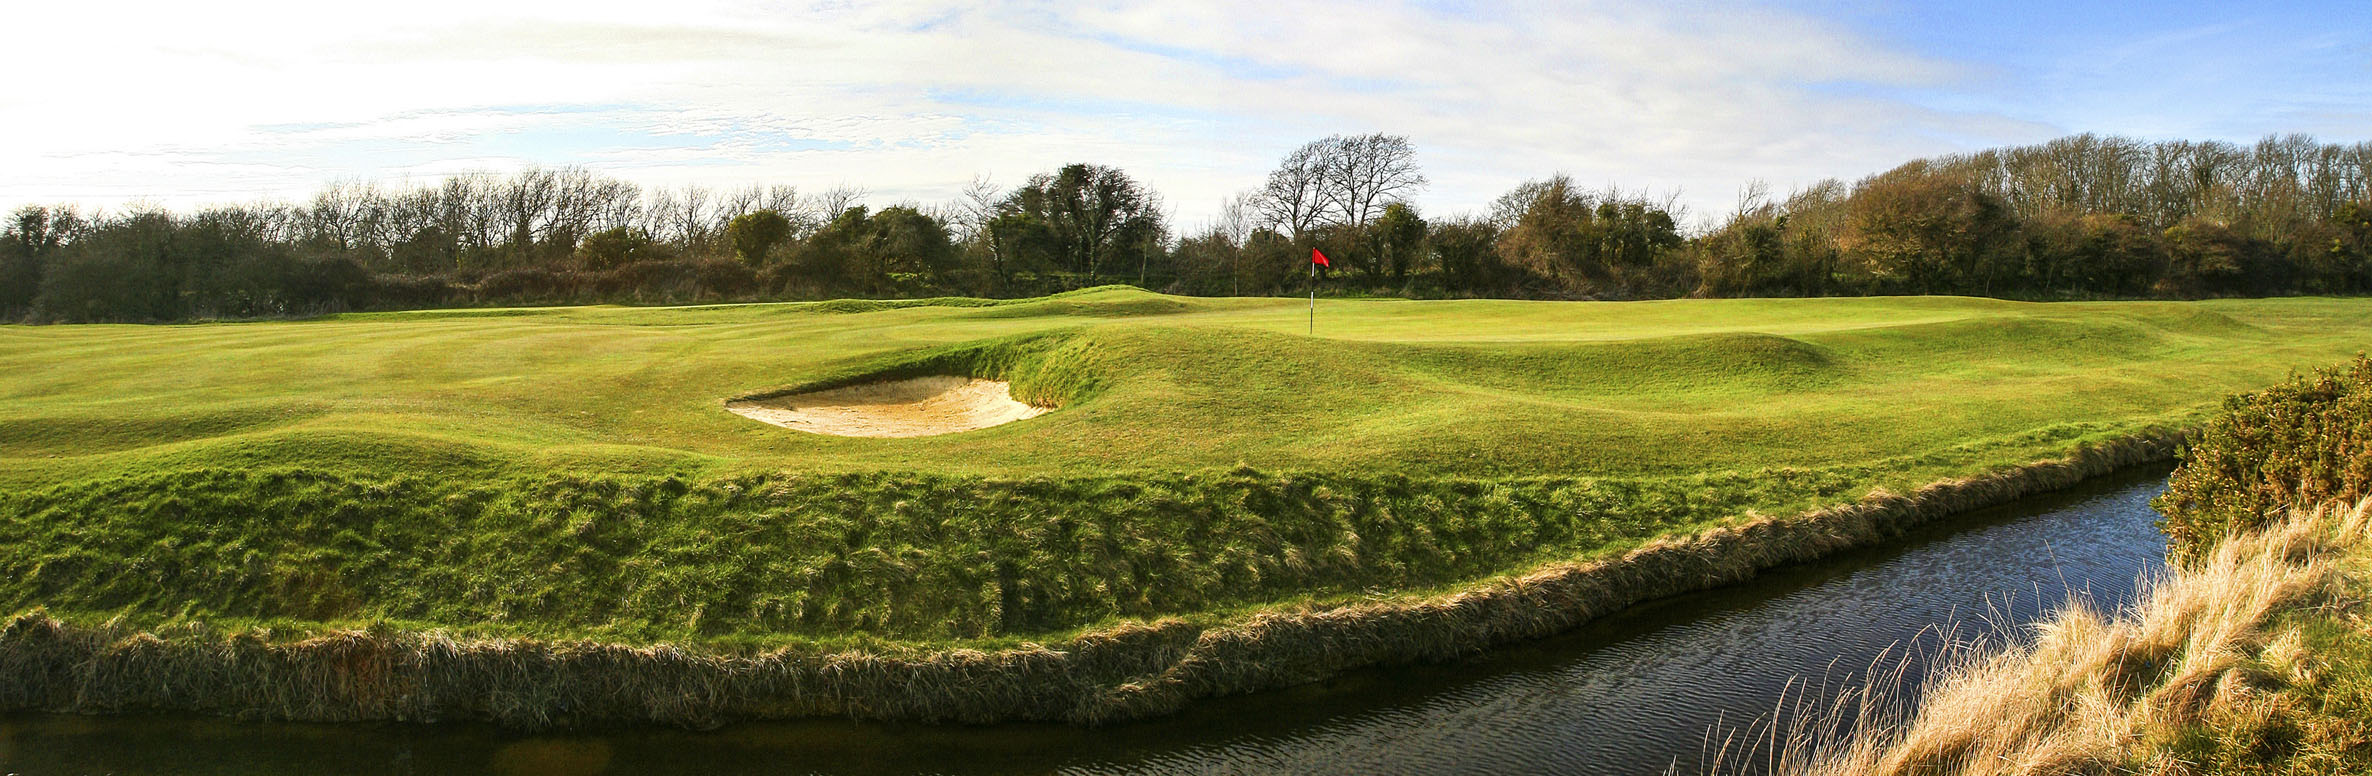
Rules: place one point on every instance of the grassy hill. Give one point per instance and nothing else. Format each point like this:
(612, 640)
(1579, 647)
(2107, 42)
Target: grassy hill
(571, 471)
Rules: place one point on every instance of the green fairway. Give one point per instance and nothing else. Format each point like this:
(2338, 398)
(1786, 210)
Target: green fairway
(572, 471)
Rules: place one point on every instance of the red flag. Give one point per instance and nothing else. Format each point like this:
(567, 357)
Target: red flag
(1319, 259)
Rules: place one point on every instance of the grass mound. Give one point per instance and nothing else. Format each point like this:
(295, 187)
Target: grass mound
(570, 471)
(768, 557)
(1125, 671)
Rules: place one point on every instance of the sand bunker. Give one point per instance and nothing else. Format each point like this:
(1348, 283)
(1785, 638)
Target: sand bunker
(923, 406)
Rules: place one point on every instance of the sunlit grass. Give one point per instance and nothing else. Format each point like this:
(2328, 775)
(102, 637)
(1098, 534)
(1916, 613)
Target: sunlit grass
(573, 471)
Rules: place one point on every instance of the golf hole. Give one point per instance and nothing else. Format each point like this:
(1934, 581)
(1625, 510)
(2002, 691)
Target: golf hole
(922, 406)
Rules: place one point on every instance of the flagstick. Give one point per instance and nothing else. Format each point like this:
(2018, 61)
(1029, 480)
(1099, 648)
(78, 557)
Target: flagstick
(1313, 299)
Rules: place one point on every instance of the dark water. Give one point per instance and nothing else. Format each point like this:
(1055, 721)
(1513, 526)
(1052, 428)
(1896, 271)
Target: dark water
(1635, 693)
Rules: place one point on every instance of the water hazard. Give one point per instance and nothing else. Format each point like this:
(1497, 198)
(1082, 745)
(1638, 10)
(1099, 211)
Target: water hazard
(1635, 693)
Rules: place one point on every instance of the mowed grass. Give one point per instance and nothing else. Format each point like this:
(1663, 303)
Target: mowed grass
(571, 471)
(1470, 388)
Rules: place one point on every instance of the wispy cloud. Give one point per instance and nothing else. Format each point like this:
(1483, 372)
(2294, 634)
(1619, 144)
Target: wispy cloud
(185, 104)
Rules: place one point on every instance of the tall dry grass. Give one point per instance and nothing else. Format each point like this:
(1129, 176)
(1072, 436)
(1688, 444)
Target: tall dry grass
(2201, 644)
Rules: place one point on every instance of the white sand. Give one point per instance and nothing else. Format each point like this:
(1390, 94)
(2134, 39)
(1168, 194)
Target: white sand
(923, 406)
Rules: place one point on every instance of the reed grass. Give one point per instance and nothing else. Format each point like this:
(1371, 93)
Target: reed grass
(2209, 671)
(2251, 655)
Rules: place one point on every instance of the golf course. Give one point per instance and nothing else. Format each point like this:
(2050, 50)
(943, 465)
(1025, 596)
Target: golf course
(1135, 476)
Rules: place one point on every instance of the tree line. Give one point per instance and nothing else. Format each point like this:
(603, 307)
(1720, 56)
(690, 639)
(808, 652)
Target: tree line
(2079, 217)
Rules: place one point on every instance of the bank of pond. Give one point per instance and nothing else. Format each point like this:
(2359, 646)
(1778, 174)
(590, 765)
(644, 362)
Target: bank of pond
(1128, 671)
(1663, 684)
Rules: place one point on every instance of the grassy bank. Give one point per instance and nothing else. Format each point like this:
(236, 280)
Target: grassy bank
(539, 478)
(2253, 658)
(2253, 655)
(1126, 671)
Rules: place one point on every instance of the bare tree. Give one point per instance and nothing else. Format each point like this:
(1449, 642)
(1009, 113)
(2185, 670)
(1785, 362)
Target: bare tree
(781, 199)
(336, 216)
(785, 200)
(1367, 172)
(617, 204)
(837, 200)
(970, 214)
(579, 200)
(469, 209)
(381, 226)
(688, 215)
(1339, 180)
(1238, 216)
(1754, 198)
(526, 205)
(739, 201)
(1296, 196)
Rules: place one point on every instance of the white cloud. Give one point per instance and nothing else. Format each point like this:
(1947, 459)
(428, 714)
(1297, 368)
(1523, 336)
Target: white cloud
(193, 103)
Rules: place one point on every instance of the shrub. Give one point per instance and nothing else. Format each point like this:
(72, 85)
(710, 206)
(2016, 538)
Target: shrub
(2298, 444)
(726, 279)
(330, 284)
(754, 235)
(90, 286)
(523, 284)
(642, 280)
(616, 246)
(398, 292)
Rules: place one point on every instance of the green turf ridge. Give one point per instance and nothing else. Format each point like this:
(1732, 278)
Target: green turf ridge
(570, 472)
(1130, 670)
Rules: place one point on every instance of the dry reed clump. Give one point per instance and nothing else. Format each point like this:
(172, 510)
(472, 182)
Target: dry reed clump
(1128, 671)
(2197, 647)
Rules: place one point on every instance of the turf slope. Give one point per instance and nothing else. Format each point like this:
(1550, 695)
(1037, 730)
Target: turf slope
(573, 471)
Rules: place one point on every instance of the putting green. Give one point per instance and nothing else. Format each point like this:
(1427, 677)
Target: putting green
(577, 471)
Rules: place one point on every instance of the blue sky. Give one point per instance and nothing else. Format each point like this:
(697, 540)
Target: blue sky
(185, 106)
(2198, 70)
